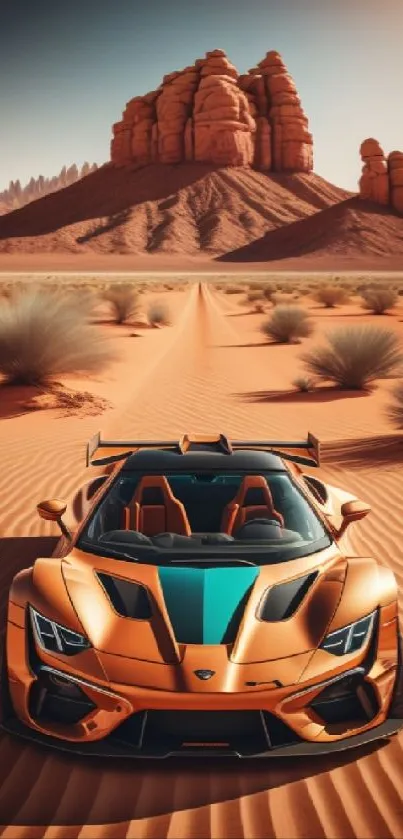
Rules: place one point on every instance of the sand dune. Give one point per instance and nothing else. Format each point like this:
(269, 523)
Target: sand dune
(202, 374)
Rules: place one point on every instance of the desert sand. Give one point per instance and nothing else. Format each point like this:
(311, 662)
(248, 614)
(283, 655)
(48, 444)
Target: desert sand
(209, 371)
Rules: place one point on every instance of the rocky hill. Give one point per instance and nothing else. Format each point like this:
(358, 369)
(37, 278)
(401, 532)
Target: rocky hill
(195, 208)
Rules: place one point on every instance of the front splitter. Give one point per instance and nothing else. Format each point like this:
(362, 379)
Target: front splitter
(112, 748)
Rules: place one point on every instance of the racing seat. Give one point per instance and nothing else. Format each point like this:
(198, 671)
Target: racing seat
(154, 509)
(252, 501)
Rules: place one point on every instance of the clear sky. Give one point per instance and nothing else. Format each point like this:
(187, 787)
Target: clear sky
(67, 68)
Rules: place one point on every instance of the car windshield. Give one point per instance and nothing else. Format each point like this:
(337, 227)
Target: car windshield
(204, 517)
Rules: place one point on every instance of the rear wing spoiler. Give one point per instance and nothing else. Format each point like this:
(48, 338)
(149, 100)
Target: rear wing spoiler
(306, 452)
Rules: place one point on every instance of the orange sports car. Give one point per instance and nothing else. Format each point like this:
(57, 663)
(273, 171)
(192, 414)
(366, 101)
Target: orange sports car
(204, 605)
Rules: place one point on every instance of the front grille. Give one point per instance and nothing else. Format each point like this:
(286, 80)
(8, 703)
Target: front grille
(233, 732)
(350, 700)
(53, 698)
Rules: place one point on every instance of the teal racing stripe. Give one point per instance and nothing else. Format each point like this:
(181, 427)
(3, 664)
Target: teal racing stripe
(203, 603)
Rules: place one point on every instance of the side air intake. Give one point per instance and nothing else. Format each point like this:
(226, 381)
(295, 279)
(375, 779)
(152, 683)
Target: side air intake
(282, 601)
(129, 599)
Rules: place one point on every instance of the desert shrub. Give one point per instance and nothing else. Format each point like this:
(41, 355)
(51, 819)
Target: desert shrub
(355, 357)
(234, 289)
(330, 296)
(158, 314)
(305, 384)
(253, 296)
(394, 411)
(44, 335)
(287, 324)
(259, 308)
(379, 300)
(124, 301)
(268, 291)
(256, 286)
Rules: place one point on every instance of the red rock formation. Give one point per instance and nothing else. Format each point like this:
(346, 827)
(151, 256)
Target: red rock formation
(17, 196)
(395, 164)
(382, 178)
(208, 113)
(292, 144)
(374, 181)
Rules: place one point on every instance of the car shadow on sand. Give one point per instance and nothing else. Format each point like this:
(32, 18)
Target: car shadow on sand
(41, 786)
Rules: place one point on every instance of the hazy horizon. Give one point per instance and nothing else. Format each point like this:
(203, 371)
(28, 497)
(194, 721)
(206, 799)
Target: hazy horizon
(66, 71)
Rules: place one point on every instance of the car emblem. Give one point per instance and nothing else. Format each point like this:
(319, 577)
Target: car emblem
(204, 674)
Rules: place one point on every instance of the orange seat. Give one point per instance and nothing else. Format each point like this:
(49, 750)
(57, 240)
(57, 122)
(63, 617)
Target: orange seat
(238, 511)
(154, 509)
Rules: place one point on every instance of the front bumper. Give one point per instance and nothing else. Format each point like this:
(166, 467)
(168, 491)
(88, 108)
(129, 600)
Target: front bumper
(111, 747)
(52, 704)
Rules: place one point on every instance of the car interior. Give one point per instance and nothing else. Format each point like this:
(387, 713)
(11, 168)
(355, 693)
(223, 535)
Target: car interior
(205, 508)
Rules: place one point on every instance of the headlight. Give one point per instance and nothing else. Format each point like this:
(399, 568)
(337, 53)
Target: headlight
(350, 638)
(55, 638)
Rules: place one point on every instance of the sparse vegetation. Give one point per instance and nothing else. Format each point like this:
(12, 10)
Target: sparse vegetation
(268, 292)
(158, 314)
(331, 296)
(355, 357)
(395, 409)
(379, 300)
(234, 289)
(287, 324)
(124, 301)
(305, 384)
(253, 296)
(43, 335)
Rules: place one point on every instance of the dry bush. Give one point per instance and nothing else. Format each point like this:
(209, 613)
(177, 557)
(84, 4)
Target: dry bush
(305, 384)
(253, 296)
(355, 357)
(256, 286)
(44, 335)
(158, 314)
(379, 300)
(330, 296)
(395, 410)
(268, 291)
(234, 289)
(287, 324)
(124, 301)
(259, 308)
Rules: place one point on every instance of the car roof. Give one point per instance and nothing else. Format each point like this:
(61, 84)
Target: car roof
(241, 460)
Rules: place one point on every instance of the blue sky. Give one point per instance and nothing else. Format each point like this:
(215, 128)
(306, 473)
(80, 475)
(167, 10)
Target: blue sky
(68, 68)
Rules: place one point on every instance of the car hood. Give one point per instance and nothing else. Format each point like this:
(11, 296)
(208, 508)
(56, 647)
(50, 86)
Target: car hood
(202, 606)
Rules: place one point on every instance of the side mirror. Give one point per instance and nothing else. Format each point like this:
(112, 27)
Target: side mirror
(352, 511)
(53, 510)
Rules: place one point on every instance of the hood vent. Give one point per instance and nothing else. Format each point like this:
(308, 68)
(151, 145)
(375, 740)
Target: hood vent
(129, 599)
(282, 601)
